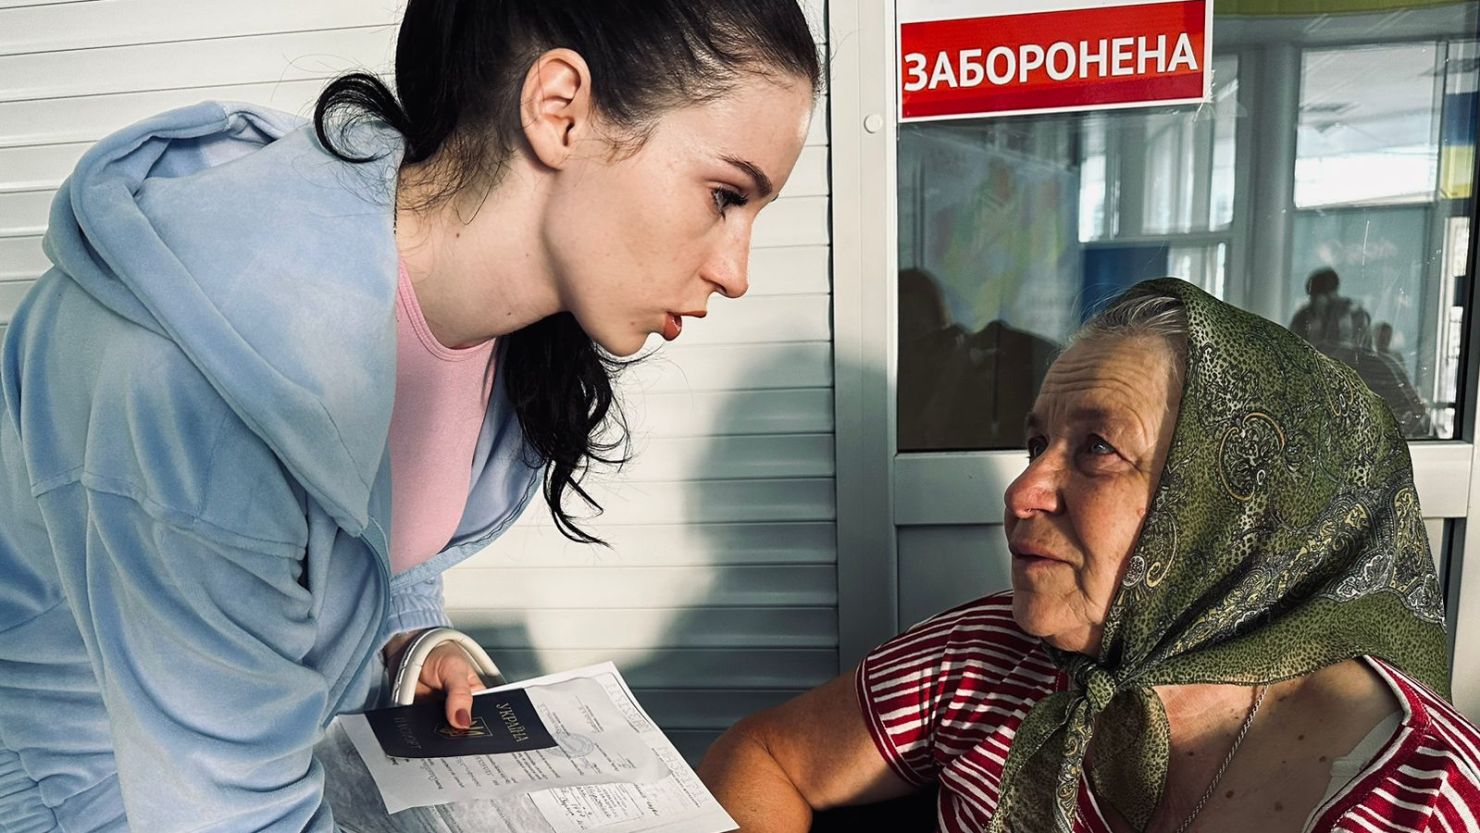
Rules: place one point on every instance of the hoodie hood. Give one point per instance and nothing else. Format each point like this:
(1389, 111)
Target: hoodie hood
(271, 263)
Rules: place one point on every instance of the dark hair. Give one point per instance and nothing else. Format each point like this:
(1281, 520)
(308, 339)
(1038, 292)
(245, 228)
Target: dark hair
(460, 66)
(1321, 281)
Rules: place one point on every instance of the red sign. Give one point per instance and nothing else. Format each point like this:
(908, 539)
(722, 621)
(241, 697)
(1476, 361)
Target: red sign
(1079, 59)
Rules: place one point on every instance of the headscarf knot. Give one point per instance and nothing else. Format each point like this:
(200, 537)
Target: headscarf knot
(1099, 685)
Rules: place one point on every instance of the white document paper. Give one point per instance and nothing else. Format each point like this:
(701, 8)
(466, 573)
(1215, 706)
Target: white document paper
(596, 723)
(612, 788)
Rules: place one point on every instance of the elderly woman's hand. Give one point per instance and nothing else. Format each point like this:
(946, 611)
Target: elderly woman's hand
(447, 669)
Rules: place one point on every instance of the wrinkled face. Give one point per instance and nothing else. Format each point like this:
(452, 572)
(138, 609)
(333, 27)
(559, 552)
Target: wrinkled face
(640, 239)
(1098, 437)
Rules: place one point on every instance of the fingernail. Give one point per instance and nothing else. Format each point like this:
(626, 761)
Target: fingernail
(463, 719)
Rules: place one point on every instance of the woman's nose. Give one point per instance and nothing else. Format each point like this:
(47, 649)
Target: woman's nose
(729, 268)
(1035, 490)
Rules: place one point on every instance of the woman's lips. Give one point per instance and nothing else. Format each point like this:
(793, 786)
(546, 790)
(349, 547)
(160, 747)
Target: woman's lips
(673, 323)
(1030, 557)
(1030, 561)
(1028, 568)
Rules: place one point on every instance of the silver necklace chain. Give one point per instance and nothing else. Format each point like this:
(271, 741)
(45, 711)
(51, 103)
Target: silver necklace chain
(1238, 740)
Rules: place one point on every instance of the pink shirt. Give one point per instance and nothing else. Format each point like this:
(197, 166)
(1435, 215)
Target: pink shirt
(441, 397)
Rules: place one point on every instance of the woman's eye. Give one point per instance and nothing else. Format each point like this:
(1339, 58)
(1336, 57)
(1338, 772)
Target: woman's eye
(727, 197)
(1036, 446)
(1097, 445)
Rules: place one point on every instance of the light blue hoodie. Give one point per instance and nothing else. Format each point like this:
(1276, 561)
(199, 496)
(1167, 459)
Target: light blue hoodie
(194, 484)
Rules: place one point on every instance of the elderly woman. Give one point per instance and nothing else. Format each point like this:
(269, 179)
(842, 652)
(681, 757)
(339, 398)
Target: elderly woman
(1224, 616)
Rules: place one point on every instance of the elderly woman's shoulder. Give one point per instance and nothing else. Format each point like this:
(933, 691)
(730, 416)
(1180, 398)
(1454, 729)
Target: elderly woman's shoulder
(1358, 694)
(1430, 711)
(966, 660)
(977, 631)
(1338, 705)
(991, 611)
(1431, 761)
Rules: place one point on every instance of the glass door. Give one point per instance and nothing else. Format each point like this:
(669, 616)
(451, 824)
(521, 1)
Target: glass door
(1328, 186)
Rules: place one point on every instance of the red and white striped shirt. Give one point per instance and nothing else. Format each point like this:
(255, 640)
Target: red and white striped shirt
(944, 699)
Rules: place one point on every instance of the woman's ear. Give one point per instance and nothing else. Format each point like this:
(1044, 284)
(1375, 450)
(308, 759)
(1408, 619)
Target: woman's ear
(555, 105)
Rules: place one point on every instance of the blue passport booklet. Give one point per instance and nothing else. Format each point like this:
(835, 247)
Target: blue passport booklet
(501, 723)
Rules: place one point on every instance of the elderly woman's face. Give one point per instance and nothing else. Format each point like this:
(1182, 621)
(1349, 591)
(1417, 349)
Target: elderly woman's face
(1097, 440)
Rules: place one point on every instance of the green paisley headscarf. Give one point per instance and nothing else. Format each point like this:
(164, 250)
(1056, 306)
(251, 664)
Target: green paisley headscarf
(1284, 536)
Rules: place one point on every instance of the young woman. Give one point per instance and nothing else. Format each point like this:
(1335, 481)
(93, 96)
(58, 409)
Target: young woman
(284, 375)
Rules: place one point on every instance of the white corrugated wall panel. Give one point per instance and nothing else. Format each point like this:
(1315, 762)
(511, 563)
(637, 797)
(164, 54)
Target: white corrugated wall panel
(756, 365)
(31, 26)
(20, 259)
(718, 594)
(664, 545)
(56, 27)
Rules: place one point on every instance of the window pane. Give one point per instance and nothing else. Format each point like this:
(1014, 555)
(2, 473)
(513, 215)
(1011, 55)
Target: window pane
(1327, 186)
(1189, 160)
(1187, 164)
(989, 276)
(1368, 127)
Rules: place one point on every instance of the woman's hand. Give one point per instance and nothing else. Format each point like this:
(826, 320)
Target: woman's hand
(447, 669)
